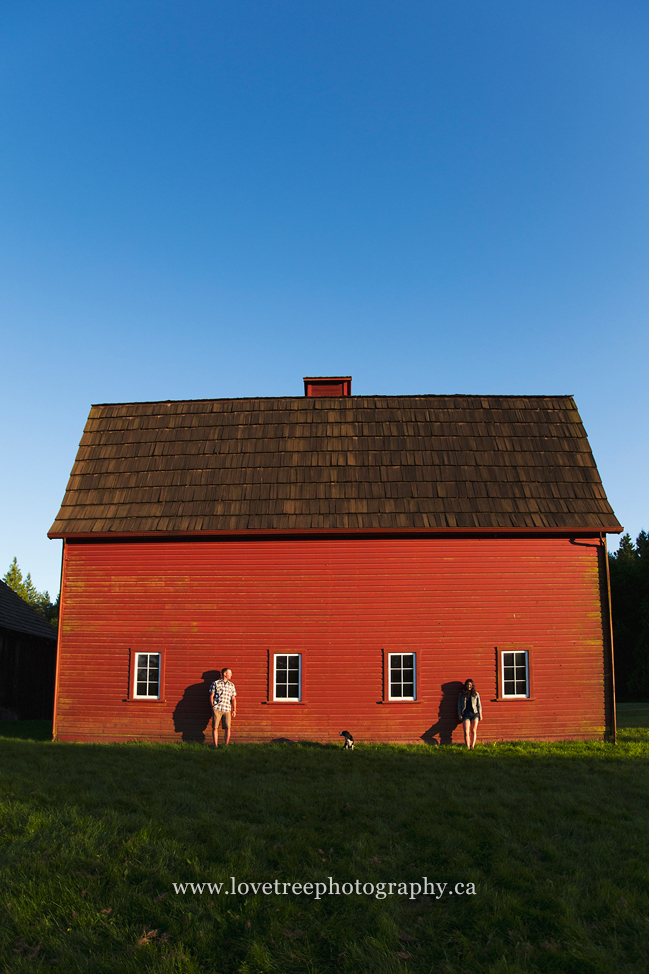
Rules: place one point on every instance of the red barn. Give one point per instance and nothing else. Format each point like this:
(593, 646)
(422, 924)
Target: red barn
(351, 558)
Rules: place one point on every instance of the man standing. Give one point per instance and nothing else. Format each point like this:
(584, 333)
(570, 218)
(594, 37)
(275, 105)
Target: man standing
(223, 698)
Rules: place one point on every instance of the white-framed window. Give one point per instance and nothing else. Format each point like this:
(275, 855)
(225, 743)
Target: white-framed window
(287, 676)
(146, 684)
(515, 673)
(402, 680)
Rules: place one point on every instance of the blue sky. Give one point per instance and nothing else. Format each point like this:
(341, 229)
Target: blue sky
(214, 199)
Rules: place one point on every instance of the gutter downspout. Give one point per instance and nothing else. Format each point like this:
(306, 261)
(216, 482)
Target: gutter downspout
(611, 660)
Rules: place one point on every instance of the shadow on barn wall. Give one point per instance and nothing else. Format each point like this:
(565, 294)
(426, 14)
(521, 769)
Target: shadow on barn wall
(192, 714)
(447, 719)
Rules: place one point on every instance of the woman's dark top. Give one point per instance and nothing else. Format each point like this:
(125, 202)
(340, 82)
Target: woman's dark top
(469, 707)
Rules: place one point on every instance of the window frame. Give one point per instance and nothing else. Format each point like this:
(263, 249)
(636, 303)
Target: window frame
(294, 700)
(133, 695)
(501, 695)
(388, 678)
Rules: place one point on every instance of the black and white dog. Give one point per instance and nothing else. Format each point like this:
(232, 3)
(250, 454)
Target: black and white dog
(349, 741)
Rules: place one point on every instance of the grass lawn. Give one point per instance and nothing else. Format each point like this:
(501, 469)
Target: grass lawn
(554, 837)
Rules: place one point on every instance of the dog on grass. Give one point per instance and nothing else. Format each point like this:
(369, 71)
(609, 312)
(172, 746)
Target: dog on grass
(349, 741)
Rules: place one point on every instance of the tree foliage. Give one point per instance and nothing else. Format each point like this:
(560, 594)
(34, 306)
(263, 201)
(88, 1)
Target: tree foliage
(25, 588)
(629, 568)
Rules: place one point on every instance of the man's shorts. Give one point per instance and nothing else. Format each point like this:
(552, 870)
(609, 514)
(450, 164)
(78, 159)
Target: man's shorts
(216, 719)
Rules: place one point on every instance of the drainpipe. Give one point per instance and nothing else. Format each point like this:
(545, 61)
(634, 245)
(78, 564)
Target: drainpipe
(610, 640)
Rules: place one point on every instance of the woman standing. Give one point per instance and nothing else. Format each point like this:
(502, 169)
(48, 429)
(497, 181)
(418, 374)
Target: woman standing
(469, 710)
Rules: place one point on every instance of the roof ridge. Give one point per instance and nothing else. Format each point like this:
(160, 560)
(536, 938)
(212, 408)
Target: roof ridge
(343, 399)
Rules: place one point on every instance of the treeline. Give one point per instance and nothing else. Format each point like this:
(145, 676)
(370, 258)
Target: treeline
(25, 588)
(630, 608)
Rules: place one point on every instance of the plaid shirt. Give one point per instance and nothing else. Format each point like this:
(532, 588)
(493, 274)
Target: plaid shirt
(223, 691)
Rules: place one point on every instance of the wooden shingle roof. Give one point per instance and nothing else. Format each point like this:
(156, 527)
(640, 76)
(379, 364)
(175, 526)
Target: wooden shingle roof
(17, 615)
(437, 462)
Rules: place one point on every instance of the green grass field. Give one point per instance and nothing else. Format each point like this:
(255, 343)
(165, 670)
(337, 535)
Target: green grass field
(554, 837)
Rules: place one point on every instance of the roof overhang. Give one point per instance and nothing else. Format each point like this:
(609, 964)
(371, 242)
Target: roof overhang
(581, 532)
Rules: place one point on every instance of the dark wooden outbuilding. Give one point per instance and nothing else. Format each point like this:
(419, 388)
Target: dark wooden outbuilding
(27, 660)
(351, 558)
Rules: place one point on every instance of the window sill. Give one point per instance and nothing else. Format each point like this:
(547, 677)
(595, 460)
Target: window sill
(399, 703)
(284, 703)
(143, 700)
(511, 699)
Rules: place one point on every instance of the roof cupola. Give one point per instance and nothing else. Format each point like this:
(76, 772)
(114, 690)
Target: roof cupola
(327, 385)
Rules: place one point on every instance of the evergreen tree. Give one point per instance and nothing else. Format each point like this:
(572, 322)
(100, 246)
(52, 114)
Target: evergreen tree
(626, 551)
(629, 568)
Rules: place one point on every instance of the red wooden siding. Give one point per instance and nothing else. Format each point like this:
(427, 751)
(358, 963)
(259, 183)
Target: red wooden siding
(344, 604)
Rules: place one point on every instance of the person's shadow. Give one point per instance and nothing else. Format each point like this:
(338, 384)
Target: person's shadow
(193, 713)
(447, 718)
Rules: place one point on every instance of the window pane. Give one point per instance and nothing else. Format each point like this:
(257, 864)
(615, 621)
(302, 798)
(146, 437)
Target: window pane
(287, 676)
(147, 679)
(402, 676)
(515, 674)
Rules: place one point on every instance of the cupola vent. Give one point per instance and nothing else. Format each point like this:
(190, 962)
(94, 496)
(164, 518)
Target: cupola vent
(327, 385)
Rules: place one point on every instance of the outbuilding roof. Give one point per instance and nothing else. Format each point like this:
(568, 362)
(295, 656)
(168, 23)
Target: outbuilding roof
(17, 615)
(352, 462)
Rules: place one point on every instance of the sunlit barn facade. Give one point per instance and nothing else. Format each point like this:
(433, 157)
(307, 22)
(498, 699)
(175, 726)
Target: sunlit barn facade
(353, 559)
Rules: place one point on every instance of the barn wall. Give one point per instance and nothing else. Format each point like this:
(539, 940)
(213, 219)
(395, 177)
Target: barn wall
(342, 603)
